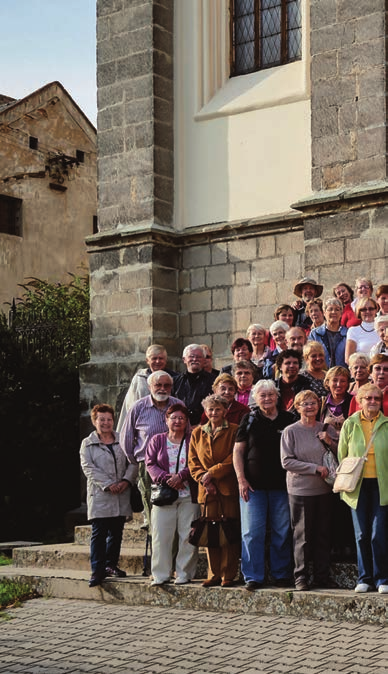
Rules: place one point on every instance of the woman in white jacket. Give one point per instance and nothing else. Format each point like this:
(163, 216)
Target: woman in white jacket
(109, 477)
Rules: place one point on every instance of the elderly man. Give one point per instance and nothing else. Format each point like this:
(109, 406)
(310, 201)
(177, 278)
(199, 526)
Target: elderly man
(145, 419)
(156, 359)
(195, 384)
(296, 338)
(307, 289)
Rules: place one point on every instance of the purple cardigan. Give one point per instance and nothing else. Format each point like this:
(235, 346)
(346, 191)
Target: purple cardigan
(157, 463)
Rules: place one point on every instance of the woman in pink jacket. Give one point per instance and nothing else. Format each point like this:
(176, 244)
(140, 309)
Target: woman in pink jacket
(166, 461)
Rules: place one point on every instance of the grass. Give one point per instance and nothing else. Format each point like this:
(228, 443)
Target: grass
(14, 592)
(4, 560)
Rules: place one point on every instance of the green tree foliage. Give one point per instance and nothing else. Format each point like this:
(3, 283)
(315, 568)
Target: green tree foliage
(40, 354)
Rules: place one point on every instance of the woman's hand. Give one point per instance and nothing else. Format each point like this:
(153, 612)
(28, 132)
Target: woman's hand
(244, 488)
(323, 435)
(118, 487)
(209, 485)
(322, 471)
(175, 482)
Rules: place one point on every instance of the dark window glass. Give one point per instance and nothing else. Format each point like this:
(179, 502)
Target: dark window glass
(264, 34)
(80, 156)
(10, 215)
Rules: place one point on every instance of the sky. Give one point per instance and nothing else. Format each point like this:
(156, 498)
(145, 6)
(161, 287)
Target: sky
(47, 40)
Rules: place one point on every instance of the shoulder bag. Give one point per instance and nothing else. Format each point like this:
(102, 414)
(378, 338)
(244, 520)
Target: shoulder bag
(162, 494)
(349, 471)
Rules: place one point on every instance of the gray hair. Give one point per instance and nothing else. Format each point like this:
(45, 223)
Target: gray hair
(380, 319)
(155, 348)
(265, 385)
(255, 326)
(155, 376)
(278, 324)
(193, 347)
(332, 300)
(358, 356)
(214, 399)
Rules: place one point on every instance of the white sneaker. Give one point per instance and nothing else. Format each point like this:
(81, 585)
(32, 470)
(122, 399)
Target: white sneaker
(364, 587)
(383, 589)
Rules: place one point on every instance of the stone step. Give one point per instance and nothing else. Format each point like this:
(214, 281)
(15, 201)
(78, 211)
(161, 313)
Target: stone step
(333, 605)
(75, 556)
(133, 535)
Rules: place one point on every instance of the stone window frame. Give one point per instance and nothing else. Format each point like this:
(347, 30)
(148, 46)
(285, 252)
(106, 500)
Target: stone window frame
(255, 22)
(218, 94)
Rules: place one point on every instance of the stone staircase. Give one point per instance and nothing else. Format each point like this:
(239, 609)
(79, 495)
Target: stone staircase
(62, 570)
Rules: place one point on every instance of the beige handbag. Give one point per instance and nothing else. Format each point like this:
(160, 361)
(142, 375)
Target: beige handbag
(349, 471)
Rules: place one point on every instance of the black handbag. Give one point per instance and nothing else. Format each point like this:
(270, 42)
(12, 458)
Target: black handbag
(162, 494)
(215, 532)
(136, 499)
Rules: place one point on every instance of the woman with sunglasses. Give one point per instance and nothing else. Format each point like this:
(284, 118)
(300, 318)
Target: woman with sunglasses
(364, 336)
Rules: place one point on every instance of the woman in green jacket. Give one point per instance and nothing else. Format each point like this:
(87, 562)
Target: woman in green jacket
(369, 501)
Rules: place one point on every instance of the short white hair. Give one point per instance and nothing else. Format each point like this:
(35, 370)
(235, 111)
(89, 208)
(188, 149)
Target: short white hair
(380, 319)
(155, 376)
(193, 347)
(255, 326)
(265, 385)
(278, 324)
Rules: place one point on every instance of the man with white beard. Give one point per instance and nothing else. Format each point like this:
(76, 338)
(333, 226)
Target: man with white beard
(146, 418)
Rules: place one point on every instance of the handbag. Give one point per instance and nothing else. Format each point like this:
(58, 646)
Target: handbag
(214, 532)
(162, 494)
(329, 461)
(136, 499)
(349, 471)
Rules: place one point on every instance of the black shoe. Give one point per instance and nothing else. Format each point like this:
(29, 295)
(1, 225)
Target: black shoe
(282, 582)
(114, 572)
(252, 585)
(96, 579)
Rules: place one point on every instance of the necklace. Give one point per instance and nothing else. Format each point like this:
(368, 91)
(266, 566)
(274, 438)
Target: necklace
(365, 330)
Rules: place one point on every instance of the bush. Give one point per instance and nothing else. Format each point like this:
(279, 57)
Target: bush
(39, 407)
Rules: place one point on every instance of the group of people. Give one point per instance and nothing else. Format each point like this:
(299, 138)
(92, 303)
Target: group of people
(248, 443)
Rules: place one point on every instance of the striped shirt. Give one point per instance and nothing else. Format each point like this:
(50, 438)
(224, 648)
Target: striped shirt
(143, 421)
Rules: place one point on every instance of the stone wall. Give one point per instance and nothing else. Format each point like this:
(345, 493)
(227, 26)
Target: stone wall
(348, 92)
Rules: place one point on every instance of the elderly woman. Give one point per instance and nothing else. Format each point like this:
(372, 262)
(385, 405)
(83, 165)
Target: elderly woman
(156, 359)
(382, 299)
(263, 493)
(332, 335)
(166, 461)
(378, 371)
(344, 293)
(310, 497)
(364, 336)
(335, 405)
(359, 369)
(277, 331)
(381, 327)
(211, 465)
(314, 311)
(256, 334)
(315, 370)
(244, 374)
(364, 289)
(367, 432)
(108, 478)
(226, 386)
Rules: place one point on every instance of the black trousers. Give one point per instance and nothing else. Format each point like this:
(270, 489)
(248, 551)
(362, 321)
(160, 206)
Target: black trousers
(311, 528)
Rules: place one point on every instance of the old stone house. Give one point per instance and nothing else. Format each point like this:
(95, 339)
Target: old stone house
(241, 146)
(48, 195)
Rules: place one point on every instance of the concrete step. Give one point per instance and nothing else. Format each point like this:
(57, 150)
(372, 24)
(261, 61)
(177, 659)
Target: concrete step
(133, 535)
(74, 556)
(334, 605)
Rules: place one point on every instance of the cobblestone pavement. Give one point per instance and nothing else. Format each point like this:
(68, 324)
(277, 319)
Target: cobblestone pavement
(51, 636)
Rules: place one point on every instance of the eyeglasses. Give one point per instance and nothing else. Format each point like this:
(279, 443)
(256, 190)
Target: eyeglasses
(362, 287)
(368, 309)
(312, 403)
(177, 418)
(371, 398)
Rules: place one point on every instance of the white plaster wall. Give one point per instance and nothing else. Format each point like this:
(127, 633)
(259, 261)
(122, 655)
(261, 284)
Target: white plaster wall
(242, 145)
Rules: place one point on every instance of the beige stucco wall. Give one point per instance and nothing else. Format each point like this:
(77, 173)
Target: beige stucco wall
(54, 224)
(242, 145)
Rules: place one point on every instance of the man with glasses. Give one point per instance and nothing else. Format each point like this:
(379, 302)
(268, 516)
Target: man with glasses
(195, 384)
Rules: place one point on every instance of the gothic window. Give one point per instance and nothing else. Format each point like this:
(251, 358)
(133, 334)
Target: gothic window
(264, 34)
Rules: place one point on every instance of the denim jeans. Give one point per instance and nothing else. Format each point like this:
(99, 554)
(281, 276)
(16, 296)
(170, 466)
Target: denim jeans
(263, 505)
(105, 543)
(370, 530)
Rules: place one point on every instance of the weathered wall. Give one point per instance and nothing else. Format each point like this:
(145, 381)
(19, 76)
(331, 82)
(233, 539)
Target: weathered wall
(54, 223)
